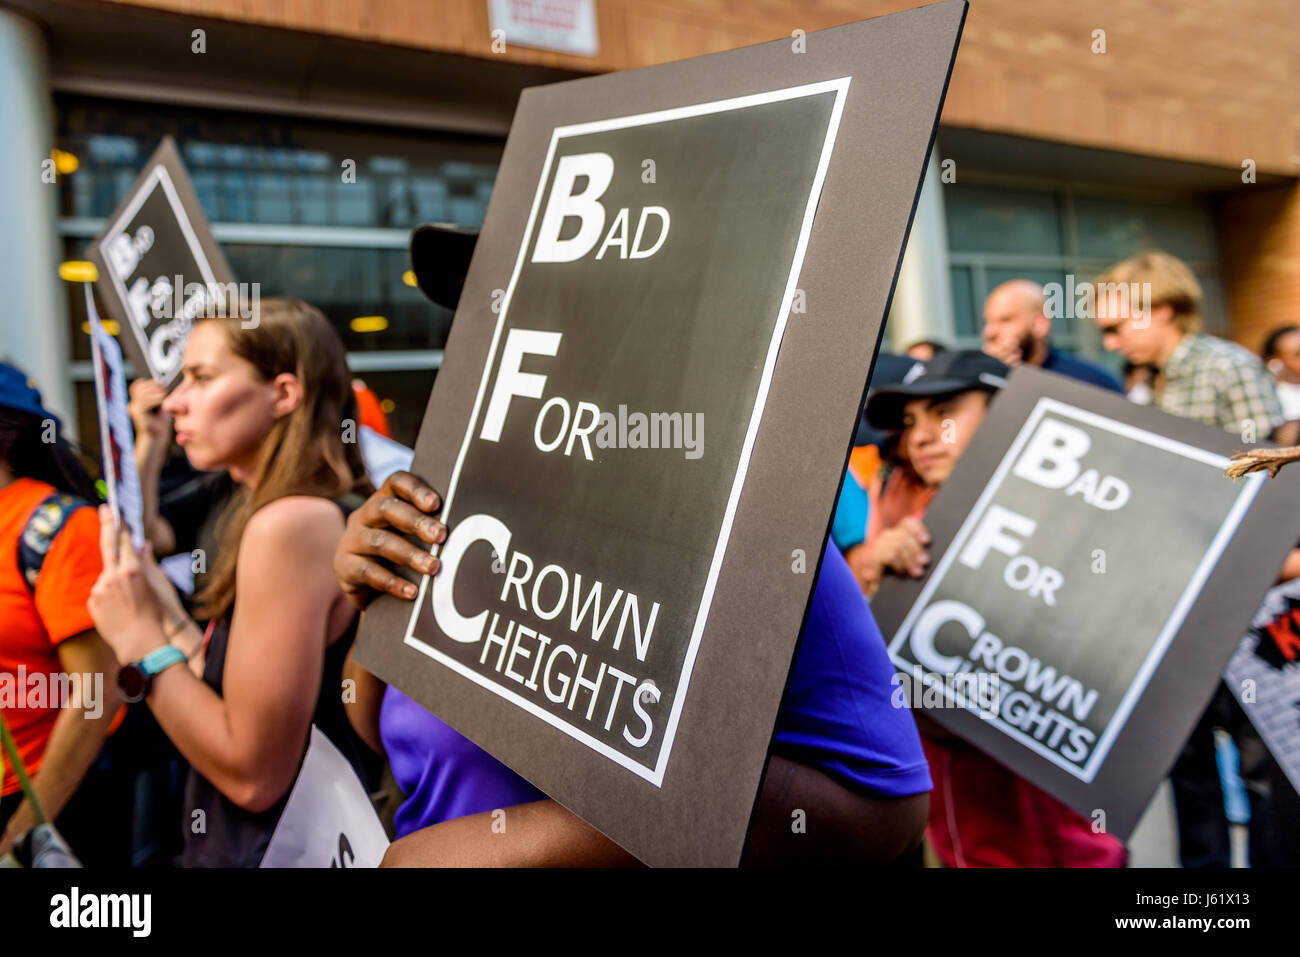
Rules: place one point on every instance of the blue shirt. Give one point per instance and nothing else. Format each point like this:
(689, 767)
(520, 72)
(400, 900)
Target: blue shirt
(1081, 369)
(836, 716)
(849, 527)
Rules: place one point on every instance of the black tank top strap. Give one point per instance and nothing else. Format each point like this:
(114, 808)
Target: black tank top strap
(227, 835)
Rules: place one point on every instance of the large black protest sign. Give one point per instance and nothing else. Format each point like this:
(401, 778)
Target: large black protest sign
(159, 267)
(644, 412)
(584, 625)
(1097, 569)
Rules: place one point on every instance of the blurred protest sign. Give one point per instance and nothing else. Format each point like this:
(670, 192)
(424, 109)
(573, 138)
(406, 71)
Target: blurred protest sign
(116, 437)
(644, 412)
(1264, 674)
(328, 820)
(159, 267)
(1095, 568)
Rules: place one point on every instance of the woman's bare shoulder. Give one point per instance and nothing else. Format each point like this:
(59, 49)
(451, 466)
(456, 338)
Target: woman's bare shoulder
(296, 524)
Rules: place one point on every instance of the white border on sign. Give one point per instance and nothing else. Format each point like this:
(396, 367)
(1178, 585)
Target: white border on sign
(1252, 485)
(158, 176)
(654, 775)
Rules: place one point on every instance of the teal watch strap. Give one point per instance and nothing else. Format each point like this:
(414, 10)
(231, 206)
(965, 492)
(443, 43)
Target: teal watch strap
(164, 657)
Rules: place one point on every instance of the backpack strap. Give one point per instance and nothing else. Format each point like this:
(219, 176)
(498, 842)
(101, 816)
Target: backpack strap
(40, 531)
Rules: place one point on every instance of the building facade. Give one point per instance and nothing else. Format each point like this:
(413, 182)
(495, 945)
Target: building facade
(1074, 134)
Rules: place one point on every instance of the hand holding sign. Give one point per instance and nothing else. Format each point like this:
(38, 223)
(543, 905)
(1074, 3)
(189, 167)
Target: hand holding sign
(404, 503)
(901, 549)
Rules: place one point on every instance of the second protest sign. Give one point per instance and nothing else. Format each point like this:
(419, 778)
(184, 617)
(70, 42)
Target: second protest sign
(1097, 569)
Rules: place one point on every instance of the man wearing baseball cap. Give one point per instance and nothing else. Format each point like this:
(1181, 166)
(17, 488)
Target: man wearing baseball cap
(932, 413)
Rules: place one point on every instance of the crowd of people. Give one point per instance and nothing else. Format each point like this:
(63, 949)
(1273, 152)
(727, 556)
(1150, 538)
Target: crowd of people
(188, 752)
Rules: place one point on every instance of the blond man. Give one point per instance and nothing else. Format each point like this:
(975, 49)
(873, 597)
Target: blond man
(1149, 308)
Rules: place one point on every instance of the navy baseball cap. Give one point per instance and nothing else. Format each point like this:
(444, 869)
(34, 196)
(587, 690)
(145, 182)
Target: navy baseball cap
(440, 255)
(18, 393)
(947, 373)
(890, 369)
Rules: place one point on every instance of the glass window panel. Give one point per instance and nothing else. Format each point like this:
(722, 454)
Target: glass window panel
(112, 149)
(345, 283)
(199, 154)
(466, 210)
(313, 162)
(1214, 306)
(354, 204)
(272, 198)
(208, 189)
(1112, 229)
(246, 167)
(983, 219)
(965, 317)
(234, 199)
(313, 200)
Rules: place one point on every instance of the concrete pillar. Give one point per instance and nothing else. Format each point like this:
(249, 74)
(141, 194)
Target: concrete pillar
(922, 306)
(33, 313)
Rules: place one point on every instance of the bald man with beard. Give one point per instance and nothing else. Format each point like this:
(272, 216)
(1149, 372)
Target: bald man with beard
(1018, 330)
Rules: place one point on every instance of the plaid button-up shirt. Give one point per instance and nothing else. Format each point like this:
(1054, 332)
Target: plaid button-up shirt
(1220, 383)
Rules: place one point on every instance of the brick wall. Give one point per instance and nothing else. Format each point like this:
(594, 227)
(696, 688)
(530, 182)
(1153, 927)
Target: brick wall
(1260, 252)
(1200, 80)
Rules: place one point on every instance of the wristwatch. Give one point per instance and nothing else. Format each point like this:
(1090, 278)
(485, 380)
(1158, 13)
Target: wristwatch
(135, 679)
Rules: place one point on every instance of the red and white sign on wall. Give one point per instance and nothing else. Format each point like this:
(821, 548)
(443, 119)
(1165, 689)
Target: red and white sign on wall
(566, 26)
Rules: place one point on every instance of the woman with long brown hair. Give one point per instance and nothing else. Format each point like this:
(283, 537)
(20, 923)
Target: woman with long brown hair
(271, 402)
